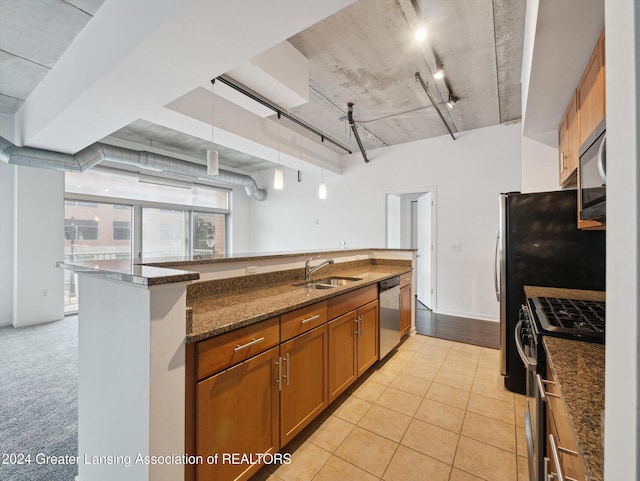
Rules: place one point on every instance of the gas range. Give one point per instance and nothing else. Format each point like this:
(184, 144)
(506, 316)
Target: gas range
(568, 318)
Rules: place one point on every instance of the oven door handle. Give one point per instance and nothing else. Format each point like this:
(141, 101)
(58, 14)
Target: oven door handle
(529, 362)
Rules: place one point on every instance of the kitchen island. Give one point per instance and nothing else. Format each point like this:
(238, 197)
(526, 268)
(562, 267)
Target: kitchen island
(134, 325)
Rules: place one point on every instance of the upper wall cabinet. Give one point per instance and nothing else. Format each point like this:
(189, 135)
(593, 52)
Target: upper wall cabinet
(568, 144)
(591, 93)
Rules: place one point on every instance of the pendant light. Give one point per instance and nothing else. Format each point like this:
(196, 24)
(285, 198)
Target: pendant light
(278, 176)
(213, 167)
(322, 189)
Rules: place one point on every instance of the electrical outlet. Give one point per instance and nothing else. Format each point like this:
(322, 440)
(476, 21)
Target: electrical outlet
(44, 292)
(456, 247)
(252, 270)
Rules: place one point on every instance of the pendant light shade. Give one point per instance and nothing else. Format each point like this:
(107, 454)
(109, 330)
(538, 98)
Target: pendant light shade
(278, 179)
(322, 191)
(212, 162)
(212, 155)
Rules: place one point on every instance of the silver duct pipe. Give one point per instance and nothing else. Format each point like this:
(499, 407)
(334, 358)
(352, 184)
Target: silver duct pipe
(96, 153)
(354, 128)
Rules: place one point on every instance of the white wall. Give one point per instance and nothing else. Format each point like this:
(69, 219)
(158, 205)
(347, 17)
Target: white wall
(622, 396)
(394, 216)
(540, 162)
(7, 173)
(38, 243)
(468, 173)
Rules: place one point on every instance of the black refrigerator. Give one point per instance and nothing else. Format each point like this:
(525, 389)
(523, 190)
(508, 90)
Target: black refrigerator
(539, 244)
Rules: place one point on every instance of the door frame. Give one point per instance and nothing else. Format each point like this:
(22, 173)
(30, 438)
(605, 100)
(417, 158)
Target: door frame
(407, 195)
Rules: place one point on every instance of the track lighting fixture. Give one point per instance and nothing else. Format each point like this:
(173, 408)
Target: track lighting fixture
(420, 33)
(438, 74)
(452, 101)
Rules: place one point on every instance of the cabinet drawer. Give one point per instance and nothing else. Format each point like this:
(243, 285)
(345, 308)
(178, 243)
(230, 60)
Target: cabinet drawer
(233, 347)
(302, 320)
(405, 279)
(344, 303)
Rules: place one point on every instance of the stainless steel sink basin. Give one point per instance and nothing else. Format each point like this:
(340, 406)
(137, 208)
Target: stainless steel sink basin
(328, 282)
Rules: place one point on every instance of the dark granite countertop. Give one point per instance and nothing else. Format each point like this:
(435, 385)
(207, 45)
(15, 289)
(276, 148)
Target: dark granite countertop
(253, 256)
(125, 271)
(579, 370)
(213, 315)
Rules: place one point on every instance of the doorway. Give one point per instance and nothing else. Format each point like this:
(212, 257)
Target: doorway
(411, 225)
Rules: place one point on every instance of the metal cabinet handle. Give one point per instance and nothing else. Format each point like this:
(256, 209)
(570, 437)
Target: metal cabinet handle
(309, 319)
(286, 376)
(555, 449)
(361, 329)
(248, 344)
(543, 394)
(495, 268)
(279, 381)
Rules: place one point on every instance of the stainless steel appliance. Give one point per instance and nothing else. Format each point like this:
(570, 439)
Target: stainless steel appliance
(539, 244)
(544, 316)
(592, 174)
(389, 290)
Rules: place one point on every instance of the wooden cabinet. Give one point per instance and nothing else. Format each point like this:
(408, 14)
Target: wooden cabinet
(220, 352)
(405, 310)
(561, 439)
(237, 412)
(584, 112)
(302, 320)
(591, 93)
(343, 361)
(353, 337)
(304, 383)
(568, 144)
(252, 390)
(406, 300)
(368, 336)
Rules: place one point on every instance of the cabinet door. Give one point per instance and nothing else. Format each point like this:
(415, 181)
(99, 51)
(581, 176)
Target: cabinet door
(562, 151)
(237, 412)
(304, 390)
(343, 370)
(591, 101)
(405, 310)
(368, 338)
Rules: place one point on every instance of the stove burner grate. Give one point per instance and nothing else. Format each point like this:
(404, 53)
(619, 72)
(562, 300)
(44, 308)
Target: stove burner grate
(583, 317)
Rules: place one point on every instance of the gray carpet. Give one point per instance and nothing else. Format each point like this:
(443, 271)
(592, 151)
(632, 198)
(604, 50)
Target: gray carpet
(39, 399)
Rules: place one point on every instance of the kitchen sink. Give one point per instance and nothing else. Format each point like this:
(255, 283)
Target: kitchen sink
(328, 282)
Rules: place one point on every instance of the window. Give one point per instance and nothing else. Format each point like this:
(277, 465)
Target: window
(80, 229)
(164, 233)
(93, 231)
(121, 230)
(208, 233)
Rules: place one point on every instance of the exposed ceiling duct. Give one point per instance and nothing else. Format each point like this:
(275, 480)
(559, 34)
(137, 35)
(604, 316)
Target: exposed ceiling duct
(354, 128)
(98, 152)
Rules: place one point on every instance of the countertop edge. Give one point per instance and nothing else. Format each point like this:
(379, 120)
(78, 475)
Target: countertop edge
(191, 338)
(592, 472)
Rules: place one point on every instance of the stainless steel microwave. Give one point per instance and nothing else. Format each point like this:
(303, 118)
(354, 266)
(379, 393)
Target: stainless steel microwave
(592, 175)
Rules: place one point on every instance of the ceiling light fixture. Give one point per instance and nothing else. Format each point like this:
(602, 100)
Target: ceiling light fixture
(278, 175)
(451, 103)
(322, 189)
(420, 33)
(213, 167)
(438, 74)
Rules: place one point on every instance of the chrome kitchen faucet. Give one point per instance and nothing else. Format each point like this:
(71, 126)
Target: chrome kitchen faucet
(308, 270)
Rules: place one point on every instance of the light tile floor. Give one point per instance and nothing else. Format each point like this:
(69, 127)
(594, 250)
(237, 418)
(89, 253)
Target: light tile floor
(436, 410)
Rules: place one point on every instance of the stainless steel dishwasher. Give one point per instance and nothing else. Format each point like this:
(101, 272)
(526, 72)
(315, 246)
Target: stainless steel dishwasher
(389, 293)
